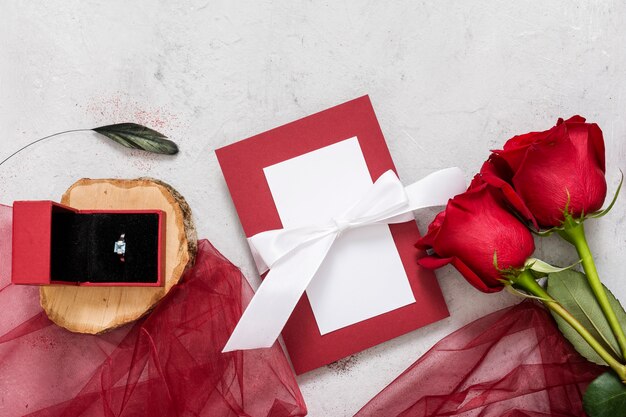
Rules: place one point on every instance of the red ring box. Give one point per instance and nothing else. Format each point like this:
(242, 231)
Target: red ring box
(57, 244)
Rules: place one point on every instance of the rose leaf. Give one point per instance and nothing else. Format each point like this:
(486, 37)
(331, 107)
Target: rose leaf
(605, 397)
(571, 289)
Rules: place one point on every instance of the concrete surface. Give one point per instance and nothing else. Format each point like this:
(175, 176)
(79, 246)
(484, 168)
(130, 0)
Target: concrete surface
(449, 81)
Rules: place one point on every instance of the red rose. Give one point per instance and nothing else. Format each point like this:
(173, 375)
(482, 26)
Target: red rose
(474, 226)
(496, 172)
(561, 167)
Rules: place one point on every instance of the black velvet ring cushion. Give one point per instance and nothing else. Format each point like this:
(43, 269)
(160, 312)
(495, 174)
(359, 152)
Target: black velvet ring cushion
(83, 247)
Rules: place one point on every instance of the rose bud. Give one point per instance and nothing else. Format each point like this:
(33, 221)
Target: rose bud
(557, 170)
(474, 227)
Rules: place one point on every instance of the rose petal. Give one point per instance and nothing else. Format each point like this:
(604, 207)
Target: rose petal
(433, 262)
(475, 280)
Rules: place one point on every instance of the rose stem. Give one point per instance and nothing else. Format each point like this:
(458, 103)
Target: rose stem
(39, 140)
(574, 233)
(527, 282)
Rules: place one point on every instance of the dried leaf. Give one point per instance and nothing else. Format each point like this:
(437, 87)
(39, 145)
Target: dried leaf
(137, 136)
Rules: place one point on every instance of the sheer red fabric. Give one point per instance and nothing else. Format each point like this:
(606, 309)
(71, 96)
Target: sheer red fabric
(511, 363)
(167, 364)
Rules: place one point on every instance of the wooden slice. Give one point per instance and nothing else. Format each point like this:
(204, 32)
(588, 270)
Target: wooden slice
(98, 309)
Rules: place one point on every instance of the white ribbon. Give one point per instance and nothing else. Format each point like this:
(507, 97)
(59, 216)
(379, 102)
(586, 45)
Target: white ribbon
(293, 255)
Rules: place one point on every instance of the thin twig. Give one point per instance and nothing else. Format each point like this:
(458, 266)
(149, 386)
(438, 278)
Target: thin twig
(39, 140)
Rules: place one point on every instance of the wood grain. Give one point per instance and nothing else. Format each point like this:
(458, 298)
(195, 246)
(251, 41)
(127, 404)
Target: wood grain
(98, 309)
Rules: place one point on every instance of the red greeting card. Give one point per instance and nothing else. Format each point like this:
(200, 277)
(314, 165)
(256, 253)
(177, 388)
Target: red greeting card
(369, 288)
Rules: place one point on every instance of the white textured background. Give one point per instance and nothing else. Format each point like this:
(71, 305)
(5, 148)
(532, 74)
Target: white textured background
(449, 81)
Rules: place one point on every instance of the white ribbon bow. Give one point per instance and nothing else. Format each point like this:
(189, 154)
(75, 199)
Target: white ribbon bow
(293, 255)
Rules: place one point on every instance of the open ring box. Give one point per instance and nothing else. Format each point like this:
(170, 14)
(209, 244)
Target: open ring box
(57, 244)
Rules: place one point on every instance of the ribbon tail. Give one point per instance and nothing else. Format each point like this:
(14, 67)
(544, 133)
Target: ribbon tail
(431, 191)
(436, 189)
(270, 308)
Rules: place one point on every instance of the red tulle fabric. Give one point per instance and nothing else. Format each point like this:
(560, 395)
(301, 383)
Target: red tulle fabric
(167, 364)
(512, 363)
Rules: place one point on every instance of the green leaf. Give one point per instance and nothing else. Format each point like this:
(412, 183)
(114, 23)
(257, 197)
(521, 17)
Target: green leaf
(571, 289)
(137, 136)
(605, 397)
